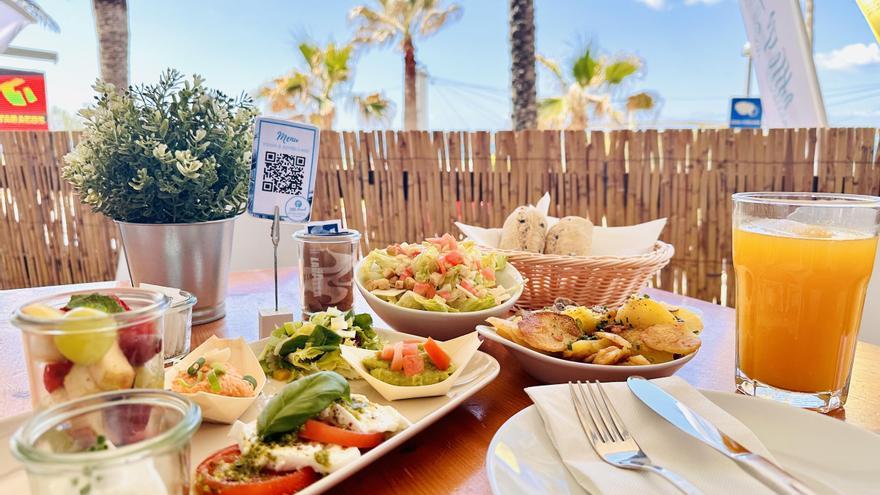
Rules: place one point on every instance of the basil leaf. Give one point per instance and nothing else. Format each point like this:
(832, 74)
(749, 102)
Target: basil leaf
(301, 400)
(95, 301)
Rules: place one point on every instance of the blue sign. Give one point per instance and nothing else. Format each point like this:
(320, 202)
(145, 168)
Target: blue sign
(745, 112)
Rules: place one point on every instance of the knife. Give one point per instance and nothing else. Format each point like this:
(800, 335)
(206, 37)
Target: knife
(688, 421)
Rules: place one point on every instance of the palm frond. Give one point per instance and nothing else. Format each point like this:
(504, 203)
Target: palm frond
(553, 66)
(585, 68)
(615, 72)
(434, 20)
(640, 101)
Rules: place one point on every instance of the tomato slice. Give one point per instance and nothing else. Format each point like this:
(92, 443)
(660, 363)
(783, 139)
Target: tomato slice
(424, 289)
(413, 365)
(318, 431)
(387, 352)
(270, 482)
(466, 285)
(453, 258)
(436, 354)
(397, 359)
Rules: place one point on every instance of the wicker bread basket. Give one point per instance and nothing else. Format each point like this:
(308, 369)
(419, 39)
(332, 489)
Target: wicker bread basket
(587, 280)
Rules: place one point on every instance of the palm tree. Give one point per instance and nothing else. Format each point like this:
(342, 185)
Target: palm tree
(590, 92)
(403, 20)
(111, 24)
(522, 64)
(312, 93)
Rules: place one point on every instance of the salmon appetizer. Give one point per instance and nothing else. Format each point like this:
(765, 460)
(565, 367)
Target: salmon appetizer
(213, 374)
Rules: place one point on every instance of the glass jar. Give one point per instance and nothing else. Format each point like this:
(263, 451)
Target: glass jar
(126, 441)
(178, 327)
(82, 351)
(326, 269)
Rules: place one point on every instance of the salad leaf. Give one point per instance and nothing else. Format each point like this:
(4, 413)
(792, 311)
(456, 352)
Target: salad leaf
(324, 339)
(425, 263)
(364, 321)
(480, 304)
(300, 401)
(416, 301)
(100, 302)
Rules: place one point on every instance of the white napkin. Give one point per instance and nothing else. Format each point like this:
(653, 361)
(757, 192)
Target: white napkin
(665, 444)
(631, 240)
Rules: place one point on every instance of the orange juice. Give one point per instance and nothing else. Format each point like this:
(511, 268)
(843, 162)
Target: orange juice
(799, 302)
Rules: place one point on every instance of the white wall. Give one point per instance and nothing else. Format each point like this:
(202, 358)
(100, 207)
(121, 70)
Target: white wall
(871, 317)
(252, 246)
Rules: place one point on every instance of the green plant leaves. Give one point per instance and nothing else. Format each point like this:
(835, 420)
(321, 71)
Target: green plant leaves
(584, 68)
(171, 152)
(617, 71)
(301, 400)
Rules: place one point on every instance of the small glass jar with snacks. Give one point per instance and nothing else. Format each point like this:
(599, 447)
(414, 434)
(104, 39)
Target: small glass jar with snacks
(85, 342)
(178, 326)
(326, 268)
(124, 441)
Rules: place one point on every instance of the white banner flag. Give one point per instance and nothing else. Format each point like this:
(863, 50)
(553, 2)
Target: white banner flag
(783, 61)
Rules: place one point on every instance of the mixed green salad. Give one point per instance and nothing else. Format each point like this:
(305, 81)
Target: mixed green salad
(440, 274)
(305, 347)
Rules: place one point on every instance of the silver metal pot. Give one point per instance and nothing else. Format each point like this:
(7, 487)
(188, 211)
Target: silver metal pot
(190, 256)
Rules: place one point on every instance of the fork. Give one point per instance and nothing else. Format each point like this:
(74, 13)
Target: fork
(610, 438)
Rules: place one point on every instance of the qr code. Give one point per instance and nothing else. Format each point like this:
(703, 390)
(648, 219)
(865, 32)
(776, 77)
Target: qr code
(284, 173)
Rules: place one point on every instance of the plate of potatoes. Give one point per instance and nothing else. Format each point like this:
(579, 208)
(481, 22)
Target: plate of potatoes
(567, 342)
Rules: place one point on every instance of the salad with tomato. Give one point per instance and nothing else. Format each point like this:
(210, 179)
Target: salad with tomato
(313, 427)
(440, 274)
(411, 363)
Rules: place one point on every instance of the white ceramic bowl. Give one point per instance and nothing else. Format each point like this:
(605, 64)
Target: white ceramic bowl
(441, 326)
(551, 369)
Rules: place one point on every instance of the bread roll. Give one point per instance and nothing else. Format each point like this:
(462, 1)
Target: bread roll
(571, 236)
(524, 230)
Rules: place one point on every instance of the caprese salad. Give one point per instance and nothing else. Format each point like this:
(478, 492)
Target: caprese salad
(313, 427)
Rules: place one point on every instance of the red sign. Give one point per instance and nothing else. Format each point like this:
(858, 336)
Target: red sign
(22, 101)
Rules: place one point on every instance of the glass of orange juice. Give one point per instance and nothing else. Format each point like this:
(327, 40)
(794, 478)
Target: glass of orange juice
(802, 262)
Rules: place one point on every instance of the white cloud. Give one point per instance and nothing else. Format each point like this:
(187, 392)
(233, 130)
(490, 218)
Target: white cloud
(654, 4)
(698, 2)
(850, 56)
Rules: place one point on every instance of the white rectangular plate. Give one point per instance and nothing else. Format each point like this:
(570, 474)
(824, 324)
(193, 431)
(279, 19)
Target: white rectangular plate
(478, 373)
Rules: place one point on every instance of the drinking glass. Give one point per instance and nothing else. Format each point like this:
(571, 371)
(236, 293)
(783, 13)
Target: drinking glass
(326, 269)
(802, 262)
(124, 441)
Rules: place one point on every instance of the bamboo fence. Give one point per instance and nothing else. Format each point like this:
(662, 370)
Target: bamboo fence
(404, 186)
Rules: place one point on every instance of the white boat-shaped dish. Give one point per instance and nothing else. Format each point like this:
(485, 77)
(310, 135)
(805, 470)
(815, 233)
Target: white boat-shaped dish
(460, 351)
(552, 369)
(215, 407)
(211, 437)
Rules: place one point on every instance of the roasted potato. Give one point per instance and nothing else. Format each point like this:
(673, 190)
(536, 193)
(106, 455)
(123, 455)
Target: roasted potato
(586, 318)
(642, 312)
(548, 331)
(637, 360)
(691, 320)
(639, 347)
(610, 355)
(674, 338)
(580, 349)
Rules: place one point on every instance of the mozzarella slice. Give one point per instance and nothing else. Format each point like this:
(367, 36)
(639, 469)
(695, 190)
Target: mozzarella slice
(323, 458)
(364, 416)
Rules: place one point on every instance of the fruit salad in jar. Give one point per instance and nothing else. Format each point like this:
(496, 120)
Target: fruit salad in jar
(82, 343)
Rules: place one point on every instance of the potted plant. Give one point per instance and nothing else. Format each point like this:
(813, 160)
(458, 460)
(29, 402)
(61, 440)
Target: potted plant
(170, 164)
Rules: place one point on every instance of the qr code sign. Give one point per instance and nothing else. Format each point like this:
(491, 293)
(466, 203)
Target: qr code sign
(283, 173)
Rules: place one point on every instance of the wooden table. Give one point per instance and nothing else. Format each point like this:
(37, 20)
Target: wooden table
(449, 456)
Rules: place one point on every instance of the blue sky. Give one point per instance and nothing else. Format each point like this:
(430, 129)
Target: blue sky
(691, 48)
